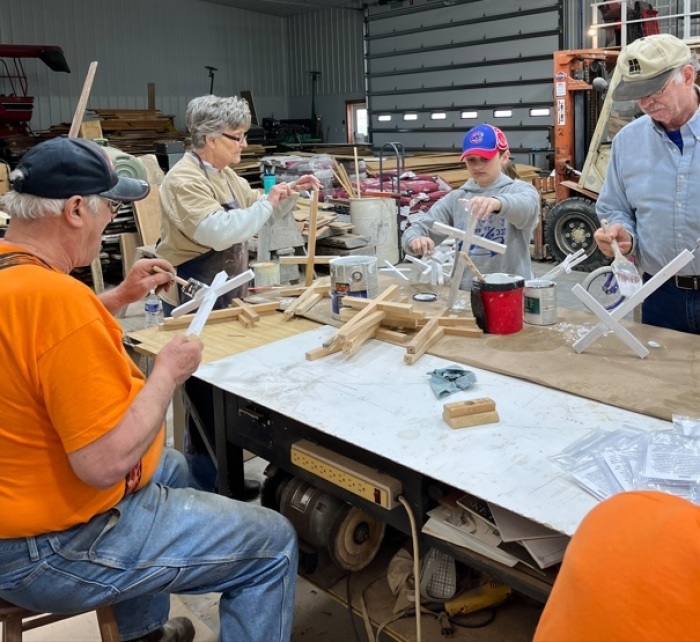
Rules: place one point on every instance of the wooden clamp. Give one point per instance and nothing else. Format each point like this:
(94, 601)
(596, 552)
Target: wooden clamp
(473, 412)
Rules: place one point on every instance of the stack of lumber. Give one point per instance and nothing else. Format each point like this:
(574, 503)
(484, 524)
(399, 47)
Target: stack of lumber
(449, 167)
(134, 131)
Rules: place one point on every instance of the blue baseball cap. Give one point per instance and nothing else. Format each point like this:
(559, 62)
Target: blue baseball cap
(63, 167)
(485, 141)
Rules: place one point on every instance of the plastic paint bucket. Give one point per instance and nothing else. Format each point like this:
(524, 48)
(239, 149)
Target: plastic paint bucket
(540, 298)
(266, 273)
(353, 275)
(497, 303)
(376, 218)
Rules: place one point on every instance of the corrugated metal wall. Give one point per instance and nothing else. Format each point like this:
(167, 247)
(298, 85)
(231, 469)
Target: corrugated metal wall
(168, 42)
(329, 41)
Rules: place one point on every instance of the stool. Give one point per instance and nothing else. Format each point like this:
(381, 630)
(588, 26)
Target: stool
(15, 620)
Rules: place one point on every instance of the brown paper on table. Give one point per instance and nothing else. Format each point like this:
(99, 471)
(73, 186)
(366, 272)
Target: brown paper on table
(665, 383)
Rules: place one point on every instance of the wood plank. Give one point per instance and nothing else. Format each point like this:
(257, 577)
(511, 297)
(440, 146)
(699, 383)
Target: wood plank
(147, 217)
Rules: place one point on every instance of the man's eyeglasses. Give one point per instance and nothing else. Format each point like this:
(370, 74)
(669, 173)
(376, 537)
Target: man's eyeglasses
(113, 205)
(659, 92)
(239, 139)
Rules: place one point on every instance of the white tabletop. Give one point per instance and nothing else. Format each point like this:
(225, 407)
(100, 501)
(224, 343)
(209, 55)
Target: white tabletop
(377, 402)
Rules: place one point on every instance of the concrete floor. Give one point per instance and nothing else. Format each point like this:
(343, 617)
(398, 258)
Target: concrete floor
(319, 617)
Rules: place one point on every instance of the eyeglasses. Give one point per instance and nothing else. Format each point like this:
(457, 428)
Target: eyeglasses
(239, 139)
(659, 92)
(113, 205)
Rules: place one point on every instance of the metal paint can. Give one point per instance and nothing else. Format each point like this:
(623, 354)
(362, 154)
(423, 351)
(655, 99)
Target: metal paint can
(355, 276)
(540, 302)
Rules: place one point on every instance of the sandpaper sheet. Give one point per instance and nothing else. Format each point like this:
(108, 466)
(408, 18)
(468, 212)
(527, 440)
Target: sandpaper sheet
(665, 383)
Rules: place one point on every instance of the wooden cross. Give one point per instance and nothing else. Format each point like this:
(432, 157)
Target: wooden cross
(367, 319)
(611, 320)
(204, 302)
(468, 236)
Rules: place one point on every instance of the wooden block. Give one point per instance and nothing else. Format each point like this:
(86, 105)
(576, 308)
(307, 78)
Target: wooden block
(320, 352)
(248, 312)
(450, 322)
(435, 335)
(464, 332)
(469, 421)
(91, 129)
(469, 407)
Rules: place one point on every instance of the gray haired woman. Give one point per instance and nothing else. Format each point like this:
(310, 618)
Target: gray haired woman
(208, 213)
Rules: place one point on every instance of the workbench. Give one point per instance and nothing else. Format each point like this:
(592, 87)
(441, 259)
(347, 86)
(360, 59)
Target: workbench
(377, 410)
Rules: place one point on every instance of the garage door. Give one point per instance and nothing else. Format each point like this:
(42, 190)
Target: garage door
(437, 68)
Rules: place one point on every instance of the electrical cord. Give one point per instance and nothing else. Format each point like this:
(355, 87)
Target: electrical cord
(348, 603)
(416, 563)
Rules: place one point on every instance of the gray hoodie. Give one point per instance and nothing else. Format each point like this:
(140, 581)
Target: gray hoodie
(512, 226)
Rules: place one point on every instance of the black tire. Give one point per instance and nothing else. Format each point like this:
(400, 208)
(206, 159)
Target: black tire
(570, 226)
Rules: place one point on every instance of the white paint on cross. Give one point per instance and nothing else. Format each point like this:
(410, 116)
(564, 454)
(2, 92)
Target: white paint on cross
(206, 298)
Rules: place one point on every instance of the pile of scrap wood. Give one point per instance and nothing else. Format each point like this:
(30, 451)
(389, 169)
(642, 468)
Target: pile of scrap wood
(133, 131)
(392, 320)
(449, 167)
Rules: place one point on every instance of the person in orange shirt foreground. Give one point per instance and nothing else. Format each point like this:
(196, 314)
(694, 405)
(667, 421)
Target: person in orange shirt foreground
(93, 509)
(631, 573)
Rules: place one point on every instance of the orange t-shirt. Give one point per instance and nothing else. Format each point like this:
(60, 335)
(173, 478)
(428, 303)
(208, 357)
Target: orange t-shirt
(631, 573)
(66, 380)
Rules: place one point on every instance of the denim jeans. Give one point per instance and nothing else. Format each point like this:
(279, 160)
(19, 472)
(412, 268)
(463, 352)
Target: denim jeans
(165, 538)
(672, 307)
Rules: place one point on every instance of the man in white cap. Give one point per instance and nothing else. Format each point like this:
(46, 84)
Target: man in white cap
(652, 185)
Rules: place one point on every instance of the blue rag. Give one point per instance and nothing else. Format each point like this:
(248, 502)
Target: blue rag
(445, 381)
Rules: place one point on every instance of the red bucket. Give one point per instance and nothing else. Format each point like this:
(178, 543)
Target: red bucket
(497, 303)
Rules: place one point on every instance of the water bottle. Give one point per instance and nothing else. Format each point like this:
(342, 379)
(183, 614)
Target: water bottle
(153, 310)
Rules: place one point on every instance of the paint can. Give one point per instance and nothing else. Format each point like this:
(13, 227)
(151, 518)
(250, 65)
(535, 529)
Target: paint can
(540, 301)
(497, 302)
(266, 273)
(355, 276)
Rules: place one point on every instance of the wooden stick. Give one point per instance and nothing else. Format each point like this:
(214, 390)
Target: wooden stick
(82, 102)
(311, 249)
(357, 173)
(473, 267)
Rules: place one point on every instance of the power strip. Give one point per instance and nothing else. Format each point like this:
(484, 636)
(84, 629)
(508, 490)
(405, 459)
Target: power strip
(363, 481)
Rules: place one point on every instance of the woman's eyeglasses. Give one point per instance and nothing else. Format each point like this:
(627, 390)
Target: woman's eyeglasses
(239, 139)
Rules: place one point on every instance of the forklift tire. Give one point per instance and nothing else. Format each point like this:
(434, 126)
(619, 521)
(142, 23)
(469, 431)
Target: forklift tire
(570, 226)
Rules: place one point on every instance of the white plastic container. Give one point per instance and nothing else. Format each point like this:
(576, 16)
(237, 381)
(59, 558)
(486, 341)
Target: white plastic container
(376, 218)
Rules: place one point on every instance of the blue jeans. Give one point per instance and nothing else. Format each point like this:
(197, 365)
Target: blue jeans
(672, 307)
(165, 538)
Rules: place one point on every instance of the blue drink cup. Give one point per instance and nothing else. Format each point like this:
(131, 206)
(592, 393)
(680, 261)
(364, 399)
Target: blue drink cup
(268, 181)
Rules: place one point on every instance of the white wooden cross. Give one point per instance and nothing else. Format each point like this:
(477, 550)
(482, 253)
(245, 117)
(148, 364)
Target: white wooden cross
(611, 320)
(468, 236)
(206, 298)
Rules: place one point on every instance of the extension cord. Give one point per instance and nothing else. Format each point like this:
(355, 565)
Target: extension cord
(356, 478)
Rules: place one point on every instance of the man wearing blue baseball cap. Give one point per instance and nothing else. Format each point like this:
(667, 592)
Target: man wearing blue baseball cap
(95, 510)
(650, 191)
(506, 208)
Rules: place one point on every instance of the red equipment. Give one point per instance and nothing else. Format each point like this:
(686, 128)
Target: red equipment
(16, 106)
